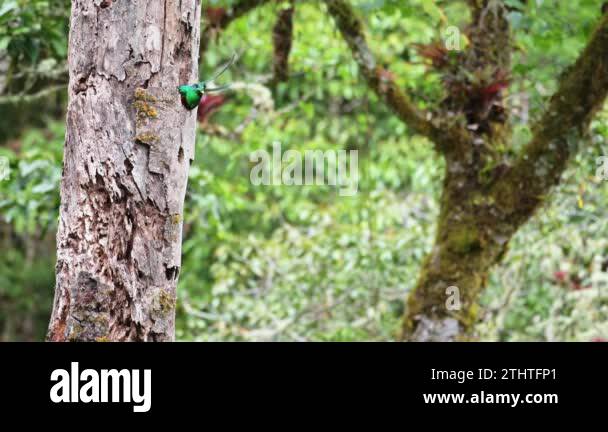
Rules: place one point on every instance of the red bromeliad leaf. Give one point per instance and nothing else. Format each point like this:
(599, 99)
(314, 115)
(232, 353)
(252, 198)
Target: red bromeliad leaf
(560, 276)
(501, 82)
(435, 51)
(208, 105)
(571, 281)
(493, 89)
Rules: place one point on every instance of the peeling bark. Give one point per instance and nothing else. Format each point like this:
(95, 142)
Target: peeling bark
(128, 146)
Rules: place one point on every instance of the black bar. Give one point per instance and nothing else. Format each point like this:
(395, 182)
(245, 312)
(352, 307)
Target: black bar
(191, 379)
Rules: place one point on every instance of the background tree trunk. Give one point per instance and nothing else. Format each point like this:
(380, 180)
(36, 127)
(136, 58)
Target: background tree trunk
(470, 239)
(129, 143)
(480, 214)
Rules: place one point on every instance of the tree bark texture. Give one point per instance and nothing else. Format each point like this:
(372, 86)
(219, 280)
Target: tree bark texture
(128, 147)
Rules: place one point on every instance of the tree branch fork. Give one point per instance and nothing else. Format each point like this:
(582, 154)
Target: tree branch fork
(582, 92)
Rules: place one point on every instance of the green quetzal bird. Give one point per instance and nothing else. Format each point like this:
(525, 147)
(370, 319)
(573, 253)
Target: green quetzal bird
(192, 93)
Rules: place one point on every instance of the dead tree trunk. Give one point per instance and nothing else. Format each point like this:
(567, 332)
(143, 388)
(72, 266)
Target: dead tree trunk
(128, 146)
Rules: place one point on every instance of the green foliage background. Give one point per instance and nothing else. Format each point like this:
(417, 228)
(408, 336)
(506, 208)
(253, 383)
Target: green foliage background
(304, 263)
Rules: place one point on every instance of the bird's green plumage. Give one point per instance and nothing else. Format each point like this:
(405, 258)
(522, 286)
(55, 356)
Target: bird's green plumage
(191, 95)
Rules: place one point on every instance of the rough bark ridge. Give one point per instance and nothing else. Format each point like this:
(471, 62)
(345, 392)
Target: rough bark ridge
(128, 147)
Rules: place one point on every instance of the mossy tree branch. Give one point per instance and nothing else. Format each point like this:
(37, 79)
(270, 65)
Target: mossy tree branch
(382, 82)
(490, 35)
(581, 93)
